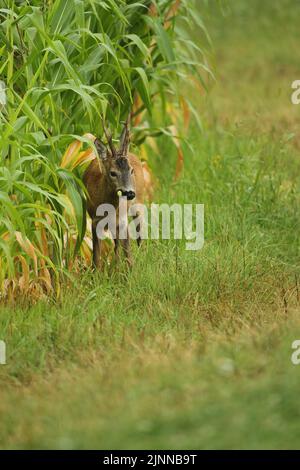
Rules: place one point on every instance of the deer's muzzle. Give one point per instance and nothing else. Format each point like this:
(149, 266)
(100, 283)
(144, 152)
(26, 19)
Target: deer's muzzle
(128, 194)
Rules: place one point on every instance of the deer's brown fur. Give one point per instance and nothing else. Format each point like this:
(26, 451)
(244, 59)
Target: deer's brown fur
(102, 187)
(99, 189)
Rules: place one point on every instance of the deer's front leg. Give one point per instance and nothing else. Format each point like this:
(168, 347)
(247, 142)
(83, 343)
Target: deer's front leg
(122, 238)
(117, 249)
(122, 233)
(126, 248)
(96, 245)
(138, 221)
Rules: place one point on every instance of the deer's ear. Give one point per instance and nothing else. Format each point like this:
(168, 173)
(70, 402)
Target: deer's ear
(101, 149)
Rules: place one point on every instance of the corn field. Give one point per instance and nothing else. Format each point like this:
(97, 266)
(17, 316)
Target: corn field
(65, 66)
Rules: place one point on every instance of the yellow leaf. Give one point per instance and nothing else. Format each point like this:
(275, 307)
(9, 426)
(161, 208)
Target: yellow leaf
(24, 279)
(29, 249)
(84, 157)
(45, 277)
(71, 153)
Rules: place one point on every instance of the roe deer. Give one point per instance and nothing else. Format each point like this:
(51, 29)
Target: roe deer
(114, 172)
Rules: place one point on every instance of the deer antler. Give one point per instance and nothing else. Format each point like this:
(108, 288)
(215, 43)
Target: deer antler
(109, 140)
(125, 136)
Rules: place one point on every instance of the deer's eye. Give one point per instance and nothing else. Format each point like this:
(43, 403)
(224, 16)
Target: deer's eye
(131, 171)
(113, 174)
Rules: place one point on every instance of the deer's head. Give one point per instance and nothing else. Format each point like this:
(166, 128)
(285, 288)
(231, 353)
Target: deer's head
(115, 162)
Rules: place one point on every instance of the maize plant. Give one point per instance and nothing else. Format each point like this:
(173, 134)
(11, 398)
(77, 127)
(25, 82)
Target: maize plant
(66, 65)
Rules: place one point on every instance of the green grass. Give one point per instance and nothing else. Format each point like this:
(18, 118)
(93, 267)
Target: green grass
(189, 350)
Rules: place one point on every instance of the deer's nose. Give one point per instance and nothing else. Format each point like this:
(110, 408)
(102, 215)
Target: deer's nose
(129, 194)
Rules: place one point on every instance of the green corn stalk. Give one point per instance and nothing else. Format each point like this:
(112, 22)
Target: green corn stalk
(65, 65)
